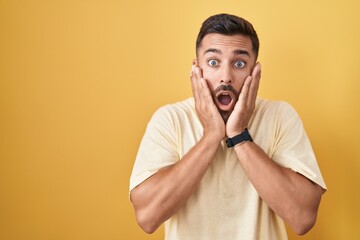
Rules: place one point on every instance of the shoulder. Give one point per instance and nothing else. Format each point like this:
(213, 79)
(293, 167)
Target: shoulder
(175, 111)
(275, 115)
(273, 105)
(274, 108)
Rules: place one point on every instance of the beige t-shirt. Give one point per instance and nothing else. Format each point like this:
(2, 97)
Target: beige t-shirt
(225, 205)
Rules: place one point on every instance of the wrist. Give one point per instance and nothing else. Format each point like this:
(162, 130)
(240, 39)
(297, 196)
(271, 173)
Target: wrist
(213, 137)
(239, 139)
(233, 133)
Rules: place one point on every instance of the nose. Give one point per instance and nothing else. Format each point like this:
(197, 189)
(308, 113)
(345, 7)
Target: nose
(226, 81)
(226, 77)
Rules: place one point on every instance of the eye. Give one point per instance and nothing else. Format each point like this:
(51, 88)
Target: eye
(213, 63)
(239, 64)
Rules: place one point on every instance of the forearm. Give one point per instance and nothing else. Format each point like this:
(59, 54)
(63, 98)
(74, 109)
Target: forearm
(290, 195)
(160, 196)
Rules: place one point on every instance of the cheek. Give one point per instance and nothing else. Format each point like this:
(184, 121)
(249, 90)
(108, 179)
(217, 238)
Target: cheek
(211, 76)
(239, 79)
(240, 76)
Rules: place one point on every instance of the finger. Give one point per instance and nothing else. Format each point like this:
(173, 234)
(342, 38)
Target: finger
(256, 69)
(194, 84)
(253, 90)
(205, 91)
(198, 72)
(245, 90)
(197, 76)
(240, 105)
(208, 105)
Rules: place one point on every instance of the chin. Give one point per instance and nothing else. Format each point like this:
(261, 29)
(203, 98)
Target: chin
(225, 115)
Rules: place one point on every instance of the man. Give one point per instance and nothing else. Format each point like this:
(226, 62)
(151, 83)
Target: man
(226, 164)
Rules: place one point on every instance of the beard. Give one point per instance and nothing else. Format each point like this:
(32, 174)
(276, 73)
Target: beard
(225, 91)
(225, 115)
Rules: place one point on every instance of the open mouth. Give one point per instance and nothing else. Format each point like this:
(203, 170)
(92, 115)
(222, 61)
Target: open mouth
(225, 100)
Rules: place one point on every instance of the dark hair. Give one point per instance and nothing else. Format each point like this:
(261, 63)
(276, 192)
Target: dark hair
(228, 25)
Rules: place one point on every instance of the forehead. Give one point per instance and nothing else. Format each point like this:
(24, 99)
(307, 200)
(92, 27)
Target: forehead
(226, 43)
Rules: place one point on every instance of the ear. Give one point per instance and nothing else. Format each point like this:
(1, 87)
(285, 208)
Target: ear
(195, 62)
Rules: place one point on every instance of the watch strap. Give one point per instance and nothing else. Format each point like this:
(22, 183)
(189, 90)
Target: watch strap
(242, 137)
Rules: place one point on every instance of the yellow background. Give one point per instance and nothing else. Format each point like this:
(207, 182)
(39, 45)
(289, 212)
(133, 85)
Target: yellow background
(79, 80)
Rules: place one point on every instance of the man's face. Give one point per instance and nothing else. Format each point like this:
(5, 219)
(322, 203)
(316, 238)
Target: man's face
(225, 61)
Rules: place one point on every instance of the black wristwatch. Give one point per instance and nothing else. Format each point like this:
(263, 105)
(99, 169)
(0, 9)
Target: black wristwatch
(242, 137)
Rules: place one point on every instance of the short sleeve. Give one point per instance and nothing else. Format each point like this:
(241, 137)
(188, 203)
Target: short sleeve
(292, 147)
(158, 148)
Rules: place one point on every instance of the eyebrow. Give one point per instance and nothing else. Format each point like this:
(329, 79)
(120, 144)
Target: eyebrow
(236, 52)
(213, 50)
(241, 52)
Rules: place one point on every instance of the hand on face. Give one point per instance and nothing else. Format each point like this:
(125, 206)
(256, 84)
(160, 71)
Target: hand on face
(244, 108)
(209, 115)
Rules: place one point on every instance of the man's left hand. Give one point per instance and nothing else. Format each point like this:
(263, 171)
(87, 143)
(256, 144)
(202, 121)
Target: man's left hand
(244, 108)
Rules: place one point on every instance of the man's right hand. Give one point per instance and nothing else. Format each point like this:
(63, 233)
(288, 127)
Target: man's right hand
(160, 196)
(205, 107)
